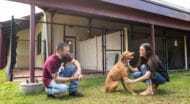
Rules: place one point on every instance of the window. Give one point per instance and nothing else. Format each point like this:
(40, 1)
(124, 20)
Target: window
(39, 43)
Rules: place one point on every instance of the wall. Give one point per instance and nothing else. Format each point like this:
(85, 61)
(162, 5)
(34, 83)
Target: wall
(22, 59)
(91, 54)
(88, 46)
(57, 33)
(91, 51)
(39, 58)
(80, 33)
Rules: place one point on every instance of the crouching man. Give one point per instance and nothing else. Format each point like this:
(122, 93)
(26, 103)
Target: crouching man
(54, 74)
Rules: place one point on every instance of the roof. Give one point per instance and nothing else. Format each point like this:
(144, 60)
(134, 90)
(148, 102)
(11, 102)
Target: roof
(137, 11)
(152, 7)
(182, 5)
(20, 24)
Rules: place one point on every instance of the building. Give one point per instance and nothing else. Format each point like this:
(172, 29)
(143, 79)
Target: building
(99, 30)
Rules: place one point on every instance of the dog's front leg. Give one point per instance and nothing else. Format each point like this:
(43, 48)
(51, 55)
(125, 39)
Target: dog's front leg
(127, 87)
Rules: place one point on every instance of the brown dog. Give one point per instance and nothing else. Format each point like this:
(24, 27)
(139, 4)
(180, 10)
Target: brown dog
(117, 73)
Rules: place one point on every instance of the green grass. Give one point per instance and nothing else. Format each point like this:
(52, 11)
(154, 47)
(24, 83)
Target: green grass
(175, 92)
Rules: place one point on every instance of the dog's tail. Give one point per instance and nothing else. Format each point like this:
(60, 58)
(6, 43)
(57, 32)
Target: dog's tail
(101, 90)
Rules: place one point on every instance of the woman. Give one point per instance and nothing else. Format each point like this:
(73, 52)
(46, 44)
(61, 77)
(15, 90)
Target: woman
(149, 69)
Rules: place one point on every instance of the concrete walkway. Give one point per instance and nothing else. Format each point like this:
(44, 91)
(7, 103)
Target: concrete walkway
(23, 75)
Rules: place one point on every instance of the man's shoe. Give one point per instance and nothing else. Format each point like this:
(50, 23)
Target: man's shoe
(51, 96)
(76, 94)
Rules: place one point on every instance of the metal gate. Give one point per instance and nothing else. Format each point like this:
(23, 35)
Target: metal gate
(111, 51)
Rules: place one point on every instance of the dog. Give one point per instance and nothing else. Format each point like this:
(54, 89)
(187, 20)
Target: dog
(118, 73)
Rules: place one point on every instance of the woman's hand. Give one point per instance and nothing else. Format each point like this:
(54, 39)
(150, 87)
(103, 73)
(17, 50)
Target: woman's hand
(127, 80)
(131, 68)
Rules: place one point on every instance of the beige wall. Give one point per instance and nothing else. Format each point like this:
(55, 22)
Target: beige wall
(39, 58)
(80, 33)
(22, 59)
(91, 54)
(85, 43)
(91, 51)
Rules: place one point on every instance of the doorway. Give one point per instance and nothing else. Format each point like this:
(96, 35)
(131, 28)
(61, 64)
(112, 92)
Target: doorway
(112, 48)
(175, 45)
(71, 41)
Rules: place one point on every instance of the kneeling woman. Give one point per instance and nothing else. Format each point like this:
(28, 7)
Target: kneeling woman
(149, 69)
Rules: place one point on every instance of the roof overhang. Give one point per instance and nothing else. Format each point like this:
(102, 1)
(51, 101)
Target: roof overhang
(116, 9)
(152, 7)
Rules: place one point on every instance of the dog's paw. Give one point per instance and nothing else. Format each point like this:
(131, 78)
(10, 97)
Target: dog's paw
(133, 93)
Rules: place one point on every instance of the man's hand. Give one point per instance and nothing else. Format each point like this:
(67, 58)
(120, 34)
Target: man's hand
(79, 76)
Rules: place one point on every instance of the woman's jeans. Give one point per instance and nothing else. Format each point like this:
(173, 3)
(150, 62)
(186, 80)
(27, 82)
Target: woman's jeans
(159, 79)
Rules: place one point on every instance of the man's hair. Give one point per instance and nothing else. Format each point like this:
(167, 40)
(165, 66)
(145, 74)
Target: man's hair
(61, 46)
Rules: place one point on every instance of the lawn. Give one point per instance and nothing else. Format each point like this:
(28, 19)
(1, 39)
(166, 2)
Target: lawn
(175, 92)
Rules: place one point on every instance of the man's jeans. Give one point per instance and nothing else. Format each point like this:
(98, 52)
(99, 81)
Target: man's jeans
(57, 88)
(159, 79)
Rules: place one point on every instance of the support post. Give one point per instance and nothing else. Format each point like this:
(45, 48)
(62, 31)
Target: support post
(32, 43)
(166, 49)
(1, 48)
(126, 40)
(11, 59)
(122, 40)
(52, 31)
(64, 32)
(89, 28)
(103, 51)
(153, 38)
(185, 52)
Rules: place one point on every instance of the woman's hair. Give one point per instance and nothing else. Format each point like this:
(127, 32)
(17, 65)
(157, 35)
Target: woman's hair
(151, 60)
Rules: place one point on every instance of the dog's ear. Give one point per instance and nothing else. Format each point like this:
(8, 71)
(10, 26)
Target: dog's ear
(123, 57)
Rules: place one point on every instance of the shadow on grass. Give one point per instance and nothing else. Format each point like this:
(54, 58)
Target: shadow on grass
(43, 96)
(163, 92)
(66, 97)
(159, 92)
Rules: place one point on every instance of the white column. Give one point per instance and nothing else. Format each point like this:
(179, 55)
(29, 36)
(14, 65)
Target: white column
(126, 39)
(185, 52)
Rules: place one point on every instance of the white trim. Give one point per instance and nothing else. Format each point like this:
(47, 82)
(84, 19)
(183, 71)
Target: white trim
(126, 39)
(185, 52)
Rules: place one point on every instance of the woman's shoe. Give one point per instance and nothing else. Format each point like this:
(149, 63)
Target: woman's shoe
(154, 86)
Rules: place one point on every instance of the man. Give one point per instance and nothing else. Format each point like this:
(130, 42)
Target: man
(55, 74)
